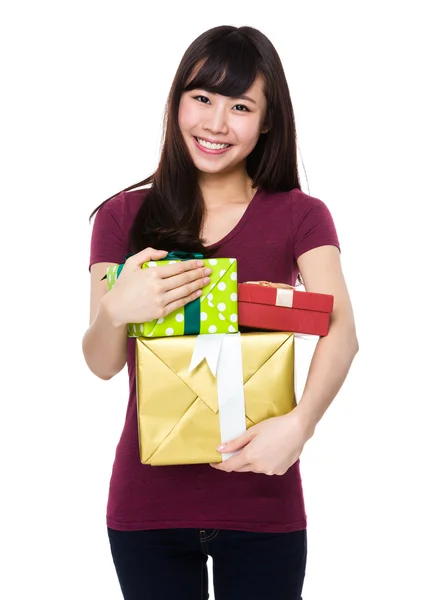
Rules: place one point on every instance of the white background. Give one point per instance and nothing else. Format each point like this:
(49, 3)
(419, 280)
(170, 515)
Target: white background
(84, 86)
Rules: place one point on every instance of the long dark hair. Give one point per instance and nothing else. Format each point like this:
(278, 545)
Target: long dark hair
(230, 59)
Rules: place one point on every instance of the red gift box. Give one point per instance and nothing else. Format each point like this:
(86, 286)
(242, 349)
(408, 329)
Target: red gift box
(279, 307)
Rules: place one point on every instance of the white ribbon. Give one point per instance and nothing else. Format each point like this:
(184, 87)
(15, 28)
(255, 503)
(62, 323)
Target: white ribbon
(222, 352)
(284, 297)
(303, 354)
(285, 292)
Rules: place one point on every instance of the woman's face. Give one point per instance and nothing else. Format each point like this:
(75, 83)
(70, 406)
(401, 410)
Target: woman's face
(206, 119)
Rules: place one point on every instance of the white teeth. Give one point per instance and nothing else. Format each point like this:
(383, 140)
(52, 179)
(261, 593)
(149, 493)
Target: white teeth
(212, 146)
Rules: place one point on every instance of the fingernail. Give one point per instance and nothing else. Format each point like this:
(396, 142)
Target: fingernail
(208, 271)
(206, 280)
(200, 263)
(221, 447)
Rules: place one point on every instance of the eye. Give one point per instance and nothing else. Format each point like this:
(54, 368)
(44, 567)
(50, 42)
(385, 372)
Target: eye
(204, 97)
(243, 106)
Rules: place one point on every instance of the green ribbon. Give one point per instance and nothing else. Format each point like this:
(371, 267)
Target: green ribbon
(192, 309)
(179, 255)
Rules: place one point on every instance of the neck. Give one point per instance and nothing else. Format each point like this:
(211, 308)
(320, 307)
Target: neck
(226, 188)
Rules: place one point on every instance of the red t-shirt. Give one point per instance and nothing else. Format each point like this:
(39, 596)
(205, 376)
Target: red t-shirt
(274, 231)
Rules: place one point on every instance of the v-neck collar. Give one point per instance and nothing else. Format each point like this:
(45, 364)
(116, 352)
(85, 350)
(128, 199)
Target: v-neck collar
(242, 222)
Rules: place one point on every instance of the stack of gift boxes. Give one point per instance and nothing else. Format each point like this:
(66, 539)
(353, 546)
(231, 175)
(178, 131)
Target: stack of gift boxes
(200, 381)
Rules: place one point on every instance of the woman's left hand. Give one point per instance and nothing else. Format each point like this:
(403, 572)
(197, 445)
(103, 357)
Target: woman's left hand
(270, 447)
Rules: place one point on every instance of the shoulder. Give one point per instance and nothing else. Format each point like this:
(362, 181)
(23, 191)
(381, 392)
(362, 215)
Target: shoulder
(312, 223)
(302, 204)
(294, 199)
(112, 224)
(126, 201)
(294, 215)
(291, 206)
(124, 207)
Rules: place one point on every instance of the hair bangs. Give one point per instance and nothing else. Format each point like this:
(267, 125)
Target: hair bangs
(225, 60)
(230, 68)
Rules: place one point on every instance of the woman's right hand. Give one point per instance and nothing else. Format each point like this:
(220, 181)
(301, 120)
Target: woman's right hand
(141, 295)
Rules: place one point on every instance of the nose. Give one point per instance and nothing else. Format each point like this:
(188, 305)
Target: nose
(216, 121)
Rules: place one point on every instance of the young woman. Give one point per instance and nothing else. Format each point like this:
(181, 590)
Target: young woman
(227, 186)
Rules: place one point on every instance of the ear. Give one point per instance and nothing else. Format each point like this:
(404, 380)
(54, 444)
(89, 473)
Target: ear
(265, 128)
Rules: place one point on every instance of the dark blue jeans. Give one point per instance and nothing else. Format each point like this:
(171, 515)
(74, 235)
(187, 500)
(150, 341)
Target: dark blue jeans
(170, 564)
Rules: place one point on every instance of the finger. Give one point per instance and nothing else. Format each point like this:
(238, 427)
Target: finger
(180, 267)
(185, 291)
(234, 463)
(180, 302)
(177, 281)
(238, 443)
(145, 255)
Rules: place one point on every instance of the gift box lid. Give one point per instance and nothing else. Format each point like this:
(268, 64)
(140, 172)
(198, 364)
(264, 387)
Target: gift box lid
(281, 294)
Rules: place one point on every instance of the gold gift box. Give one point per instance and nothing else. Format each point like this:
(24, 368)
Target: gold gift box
(178, 415)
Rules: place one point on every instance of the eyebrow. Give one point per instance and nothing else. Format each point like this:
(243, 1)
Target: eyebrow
(241, 97)
(244, 97)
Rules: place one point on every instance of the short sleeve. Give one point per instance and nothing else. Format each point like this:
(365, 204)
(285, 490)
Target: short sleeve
(108, 240)
(313, 225)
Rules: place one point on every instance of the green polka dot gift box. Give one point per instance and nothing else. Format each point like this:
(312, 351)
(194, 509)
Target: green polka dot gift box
(216, 311)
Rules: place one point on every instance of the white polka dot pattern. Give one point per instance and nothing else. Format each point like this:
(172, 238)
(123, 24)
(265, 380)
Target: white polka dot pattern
(218, 304)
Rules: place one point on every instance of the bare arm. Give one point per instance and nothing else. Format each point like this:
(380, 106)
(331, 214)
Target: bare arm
(139, 295)
(321, 271)
(104, 344)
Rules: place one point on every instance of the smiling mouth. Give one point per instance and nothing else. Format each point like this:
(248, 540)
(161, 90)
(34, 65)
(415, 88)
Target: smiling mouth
(210, 145)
